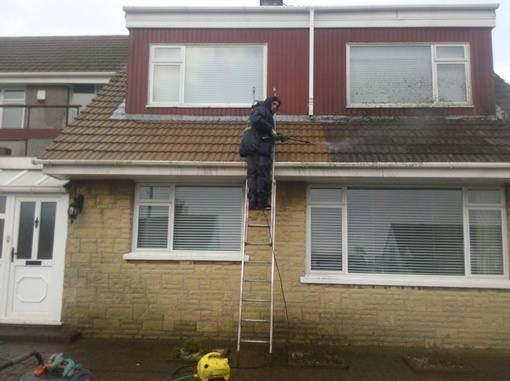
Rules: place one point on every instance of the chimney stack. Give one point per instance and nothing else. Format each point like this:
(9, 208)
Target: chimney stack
(271, 2)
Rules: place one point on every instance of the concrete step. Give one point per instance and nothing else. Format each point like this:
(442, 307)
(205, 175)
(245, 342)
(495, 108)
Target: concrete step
(38, 333)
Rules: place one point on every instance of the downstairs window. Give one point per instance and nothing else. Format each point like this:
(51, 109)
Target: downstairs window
(201, 221)
(392, 232)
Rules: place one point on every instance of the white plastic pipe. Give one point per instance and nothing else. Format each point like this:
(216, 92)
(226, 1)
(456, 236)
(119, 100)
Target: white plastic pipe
(311, 62)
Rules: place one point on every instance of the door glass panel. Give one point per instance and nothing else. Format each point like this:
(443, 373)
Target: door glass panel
(2, 221)
(47, 230)
(2, 204)
(26, 229)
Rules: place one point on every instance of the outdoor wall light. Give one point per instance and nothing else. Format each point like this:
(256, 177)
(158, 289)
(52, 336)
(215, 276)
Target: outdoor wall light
(75, 207)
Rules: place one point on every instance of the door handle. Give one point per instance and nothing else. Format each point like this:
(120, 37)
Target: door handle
(13, 254)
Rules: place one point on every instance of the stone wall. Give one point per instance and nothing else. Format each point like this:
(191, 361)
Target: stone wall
(107, 296)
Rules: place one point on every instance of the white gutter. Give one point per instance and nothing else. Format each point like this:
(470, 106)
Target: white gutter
(279, 164)
(292, 9)
(142, 163)
(311, 55)
(56, 77)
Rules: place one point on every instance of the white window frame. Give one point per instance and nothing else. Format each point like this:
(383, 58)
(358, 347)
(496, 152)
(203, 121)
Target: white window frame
(17, 101)
(168, 253)
(467, 281)
(152, 104)
(435, 61)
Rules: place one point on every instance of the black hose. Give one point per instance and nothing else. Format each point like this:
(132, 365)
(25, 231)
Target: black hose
(21, 358)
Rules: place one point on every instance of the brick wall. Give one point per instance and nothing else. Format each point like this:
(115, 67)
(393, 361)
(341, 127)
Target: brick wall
(107, 296)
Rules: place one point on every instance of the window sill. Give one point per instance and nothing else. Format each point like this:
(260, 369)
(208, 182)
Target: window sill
(414, 281)
(186, 256)
(199, 105)
(418, 105)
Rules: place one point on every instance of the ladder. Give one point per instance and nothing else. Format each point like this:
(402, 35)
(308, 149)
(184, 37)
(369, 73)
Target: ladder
(255, 324)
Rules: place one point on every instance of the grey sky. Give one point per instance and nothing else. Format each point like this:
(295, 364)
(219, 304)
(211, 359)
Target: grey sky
(67, 17)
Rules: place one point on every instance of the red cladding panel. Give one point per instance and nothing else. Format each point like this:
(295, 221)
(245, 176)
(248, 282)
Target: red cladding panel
(287, 65)
(330, 67)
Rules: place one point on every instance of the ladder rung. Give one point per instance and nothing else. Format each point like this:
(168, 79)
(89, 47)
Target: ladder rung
(257, 320)
(257, 300)
(259, 225)
(257, 281)
(258, 262)
(267, 243)
(257, 341)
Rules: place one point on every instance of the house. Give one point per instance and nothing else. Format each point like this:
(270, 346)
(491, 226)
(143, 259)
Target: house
(44, 82)
(399, 105)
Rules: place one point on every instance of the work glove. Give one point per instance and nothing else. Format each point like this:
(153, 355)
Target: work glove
(282, 137)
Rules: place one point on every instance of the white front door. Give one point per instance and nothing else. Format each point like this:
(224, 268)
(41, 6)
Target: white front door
(33, 259)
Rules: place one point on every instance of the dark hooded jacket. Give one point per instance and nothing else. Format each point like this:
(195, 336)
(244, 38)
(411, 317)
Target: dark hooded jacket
(258, 139)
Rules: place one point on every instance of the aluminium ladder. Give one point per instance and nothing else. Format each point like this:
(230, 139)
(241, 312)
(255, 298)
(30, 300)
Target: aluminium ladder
(255, 324)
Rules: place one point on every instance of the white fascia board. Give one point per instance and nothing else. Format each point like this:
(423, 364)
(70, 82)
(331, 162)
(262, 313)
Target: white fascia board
(470, 15)
(284, 170)
(66, 172)
(50, 77)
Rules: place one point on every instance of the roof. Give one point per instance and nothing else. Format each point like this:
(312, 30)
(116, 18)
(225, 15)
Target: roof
(502, 94)
(94, 135)
(63, 53)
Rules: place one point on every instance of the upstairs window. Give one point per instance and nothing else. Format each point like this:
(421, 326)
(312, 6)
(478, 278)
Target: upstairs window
(12, 117)
(410, 75)
(207, 75)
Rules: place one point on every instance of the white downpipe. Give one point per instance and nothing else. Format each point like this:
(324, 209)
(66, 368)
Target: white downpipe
(311, 44)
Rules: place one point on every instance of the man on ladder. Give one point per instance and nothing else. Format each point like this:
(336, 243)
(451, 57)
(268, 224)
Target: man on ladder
(257, 147)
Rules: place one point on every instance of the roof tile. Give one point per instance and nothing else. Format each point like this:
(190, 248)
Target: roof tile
(95, 136)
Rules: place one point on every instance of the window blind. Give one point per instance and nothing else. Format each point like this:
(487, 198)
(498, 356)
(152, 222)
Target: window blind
(326, 239)
(485, 234)
(153, 226)
(208, 218)
(223, 74)
(405, 231)
(390, 74)
(451, 80)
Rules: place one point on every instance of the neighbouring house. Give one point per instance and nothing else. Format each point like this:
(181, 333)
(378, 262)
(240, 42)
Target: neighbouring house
(391, 224)
(44, 83)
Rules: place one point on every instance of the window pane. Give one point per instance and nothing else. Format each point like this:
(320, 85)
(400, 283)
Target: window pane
(326, 238)
(12, 117)
(390, 74)
(485, 236)
(47, 230)
(405, 231)
(168, 54)
(484, 197)
(166, 83)
(326, 195)
(450, 52)
(223, 74)
(208, 218)
(14, 95)
(153, 227)
(451, 82)
(26, 230)
(156, 193)
(2, 204)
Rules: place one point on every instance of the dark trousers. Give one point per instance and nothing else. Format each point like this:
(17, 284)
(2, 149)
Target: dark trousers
(259, 179)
